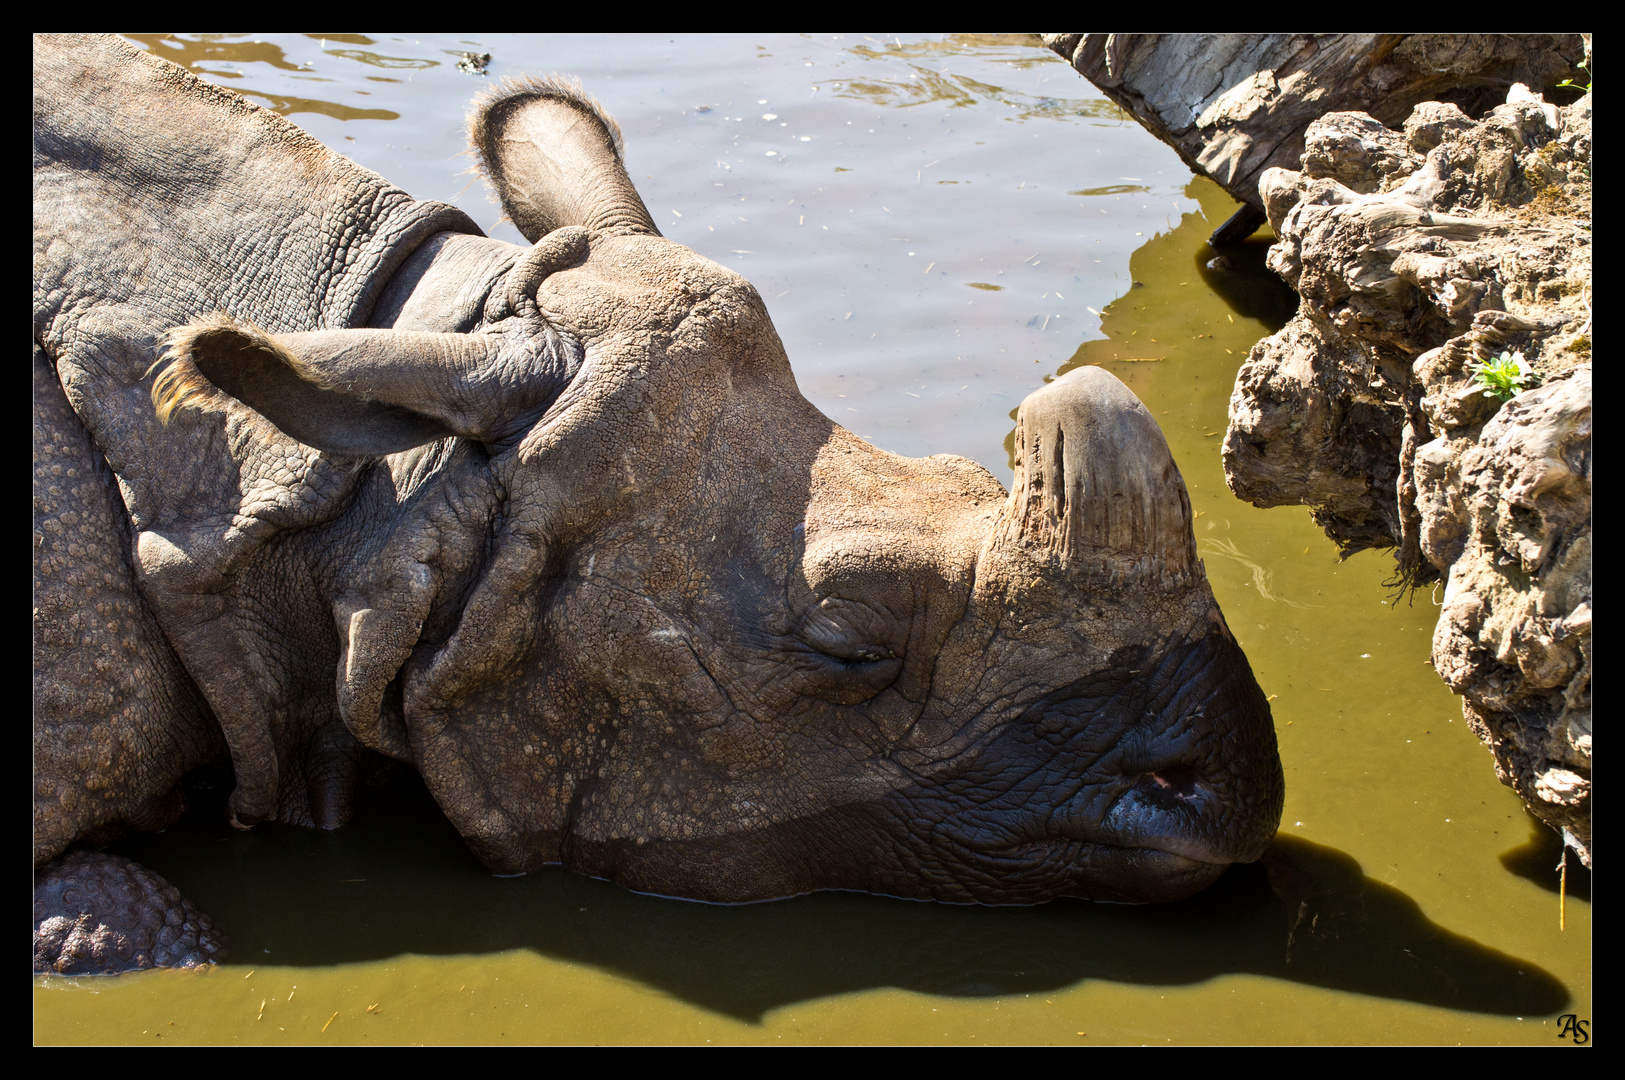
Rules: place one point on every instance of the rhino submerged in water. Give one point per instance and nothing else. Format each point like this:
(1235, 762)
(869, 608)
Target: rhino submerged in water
(323, 473)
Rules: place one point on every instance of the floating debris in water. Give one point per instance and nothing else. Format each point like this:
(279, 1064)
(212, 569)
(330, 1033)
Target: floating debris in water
(472, 64)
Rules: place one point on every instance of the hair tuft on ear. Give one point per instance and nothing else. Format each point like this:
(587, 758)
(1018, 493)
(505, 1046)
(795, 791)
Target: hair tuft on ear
(181, 384)
(188, 354)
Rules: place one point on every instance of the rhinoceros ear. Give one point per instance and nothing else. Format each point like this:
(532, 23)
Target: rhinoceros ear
(553, 158)
(218, 354)
(365, 392)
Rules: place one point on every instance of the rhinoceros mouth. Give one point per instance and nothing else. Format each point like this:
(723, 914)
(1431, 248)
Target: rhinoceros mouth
(1185, 850)
(1133, 874)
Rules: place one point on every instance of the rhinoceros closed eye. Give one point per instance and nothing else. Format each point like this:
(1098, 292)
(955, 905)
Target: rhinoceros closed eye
(837, 628)
(842, 663)
(868, 654)
(858, 653)
(847, 682)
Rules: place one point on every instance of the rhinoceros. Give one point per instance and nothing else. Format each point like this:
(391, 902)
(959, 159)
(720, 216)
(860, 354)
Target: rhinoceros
(326, 477)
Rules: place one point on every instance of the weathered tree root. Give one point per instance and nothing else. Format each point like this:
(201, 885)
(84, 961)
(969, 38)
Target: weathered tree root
(1417, 255)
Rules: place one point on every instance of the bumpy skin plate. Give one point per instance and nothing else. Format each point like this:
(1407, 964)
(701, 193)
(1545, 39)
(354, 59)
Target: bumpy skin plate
(98, 914)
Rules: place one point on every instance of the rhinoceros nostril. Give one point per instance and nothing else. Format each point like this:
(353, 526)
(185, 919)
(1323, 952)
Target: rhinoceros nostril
(1170, 784)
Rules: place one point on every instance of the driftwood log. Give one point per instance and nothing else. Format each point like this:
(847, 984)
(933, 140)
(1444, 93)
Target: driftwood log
(1423, 238)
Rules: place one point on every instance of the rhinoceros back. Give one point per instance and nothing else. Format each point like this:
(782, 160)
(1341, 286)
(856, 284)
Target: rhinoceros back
(154, 187)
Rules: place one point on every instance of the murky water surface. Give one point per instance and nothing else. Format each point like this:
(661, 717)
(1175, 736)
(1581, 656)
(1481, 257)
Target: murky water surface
(937, 224)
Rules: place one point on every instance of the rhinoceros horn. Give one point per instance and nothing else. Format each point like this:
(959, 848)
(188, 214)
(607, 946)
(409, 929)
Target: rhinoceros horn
(1097, 495)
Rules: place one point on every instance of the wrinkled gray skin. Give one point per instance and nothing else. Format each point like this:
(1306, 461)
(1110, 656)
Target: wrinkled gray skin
(554, 527)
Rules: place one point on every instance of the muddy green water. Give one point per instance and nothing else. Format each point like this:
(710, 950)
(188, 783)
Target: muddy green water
(937, 224)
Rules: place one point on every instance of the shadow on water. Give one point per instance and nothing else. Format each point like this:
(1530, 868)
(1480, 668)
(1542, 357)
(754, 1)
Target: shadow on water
(1536, 860)
(399, 880)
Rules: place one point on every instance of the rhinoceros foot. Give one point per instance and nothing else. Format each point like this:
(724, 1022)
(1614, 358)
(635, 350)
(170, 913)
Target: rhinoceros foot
(98, 914)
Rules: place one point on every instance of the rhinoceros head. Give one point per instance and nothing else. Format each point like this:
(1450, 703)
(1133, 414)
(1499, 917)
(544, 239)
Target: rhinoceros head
(630, 603)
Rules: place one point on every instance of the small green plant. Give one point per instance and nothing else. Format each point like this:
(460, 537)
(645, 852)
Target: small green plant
(1577, 86)
(1505, 375)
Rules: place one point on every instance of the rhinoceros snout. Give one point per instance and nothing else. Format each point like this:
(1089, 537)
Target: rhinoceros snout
(1173, 809)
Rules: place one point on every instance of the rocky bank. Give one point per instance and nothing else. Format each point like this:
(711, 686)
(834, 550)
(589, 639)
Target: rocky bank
(1419, 251)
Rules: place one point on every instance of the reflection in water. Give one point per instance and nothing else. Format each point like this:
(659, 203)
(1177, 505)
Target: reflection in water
(1114, 189)
(1263, 580)
(1251, 289)
(1305, 914)
(926, 83)
(219, 56)
(211, 49)
(960, 91)
(372, 59)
